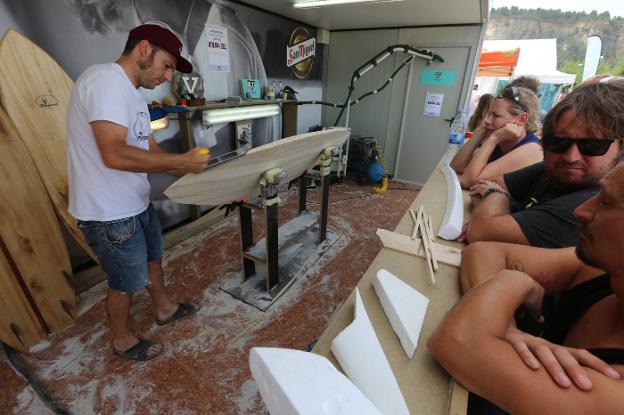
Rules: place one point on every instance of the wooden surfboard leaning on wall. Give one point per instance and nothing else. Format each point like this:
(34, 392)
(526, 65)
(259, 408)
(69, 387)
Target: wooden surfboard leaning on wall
(34, 263)
(239, 178)
(35, 91)
(19, 327)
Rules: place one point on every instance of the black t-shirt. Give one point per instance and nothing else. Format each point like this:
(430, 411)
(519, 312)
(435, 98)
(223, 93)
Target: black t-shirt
(544, 211)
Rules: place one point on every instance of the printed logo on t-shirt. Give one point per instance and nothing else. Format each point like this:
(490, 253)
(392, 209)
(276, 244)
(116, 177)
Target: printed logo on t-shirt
(141, 126)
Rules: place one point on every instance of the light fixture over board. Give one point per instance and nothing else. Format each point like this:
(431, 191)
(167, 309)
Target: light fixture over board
(321, 3)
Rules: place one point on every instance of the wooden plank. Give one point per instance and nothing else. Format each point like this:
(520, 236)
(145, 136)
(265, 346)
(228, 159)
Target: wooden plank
(403, 243)
(428, 240)
(416, 224)
(19, 327)
(35, 91)
(239, 178)
(31, 231)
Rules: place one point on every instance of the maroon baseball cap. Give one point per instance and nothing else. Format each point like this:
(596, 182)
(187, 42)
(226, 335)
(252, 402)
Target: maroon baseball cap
(164, 38)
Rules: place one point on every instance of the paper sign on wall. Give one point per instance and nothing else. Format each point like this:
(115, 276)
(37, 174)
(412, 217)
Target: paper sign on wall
(218, 48)
(433, 104)
(438, 78)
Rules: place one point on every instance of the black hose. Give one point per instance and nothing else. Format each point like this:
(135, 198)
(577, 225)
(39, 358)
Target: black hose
(33, 382)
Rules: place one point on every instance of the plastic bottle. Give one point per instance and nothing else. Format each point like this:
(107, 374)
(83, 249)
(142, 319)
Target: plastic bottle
(271, 92)
(458, 128)
(278, 91)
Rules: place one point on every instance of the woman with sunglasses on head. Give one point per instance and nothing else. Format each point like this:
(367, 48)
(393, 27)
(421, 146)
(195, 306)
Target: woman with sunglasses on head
(505, 141)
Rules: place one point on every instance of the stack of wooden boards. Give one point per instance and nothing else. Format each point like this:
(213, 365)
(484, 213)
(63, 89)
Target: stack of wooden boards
(35, 271)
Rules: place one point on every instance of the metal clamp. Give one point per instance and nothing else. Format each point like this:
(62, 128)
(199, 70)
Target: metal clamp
(269, 184)
(326, 158)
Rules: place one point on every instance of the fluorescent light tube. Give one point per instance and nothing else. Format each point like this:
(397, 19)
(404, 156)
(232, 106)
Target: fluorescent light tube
(223, 115)
(320, 3)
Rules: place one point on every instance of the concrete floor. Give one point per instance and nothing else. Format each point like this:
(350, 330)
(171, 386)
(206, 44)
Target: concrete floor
(204, 369)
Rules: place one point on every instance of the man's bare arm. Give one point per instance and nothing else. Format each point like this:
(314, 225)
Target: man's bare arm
(154, 147)
(491, 219)
(470, 344)
(116, 154)
(554, 269)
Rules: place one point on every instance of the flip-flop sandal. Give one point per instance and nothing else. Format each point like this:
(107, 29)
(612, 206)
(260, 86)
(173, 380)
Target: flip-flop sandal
(139, 351)
(184, 309)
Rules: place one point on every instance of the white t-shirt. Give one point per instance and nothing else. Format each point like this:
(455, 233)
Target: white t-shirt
(96, 192)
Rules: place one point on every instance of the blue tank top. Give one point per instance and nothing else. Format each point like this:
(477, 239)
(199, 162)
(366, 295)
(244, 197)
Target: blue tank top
(498, 152)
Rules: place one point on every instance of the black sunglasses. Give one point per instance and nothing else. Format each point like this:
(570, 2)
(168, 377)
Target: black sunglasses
(586, 146)
(513, 94)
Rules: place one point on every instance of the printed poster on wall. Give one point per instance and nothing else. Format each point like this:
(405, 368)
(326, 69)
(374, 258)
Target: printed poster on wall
(218, 48)
(433, 104)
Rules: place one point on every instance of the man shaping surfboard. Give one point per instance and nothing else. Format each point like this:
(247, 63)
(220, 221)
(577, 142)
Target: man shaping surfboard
(110, 151)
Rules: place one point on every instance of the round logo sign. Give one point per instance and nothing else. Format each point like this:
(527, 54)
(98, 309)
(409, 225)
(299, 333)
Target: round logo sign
(299, 36)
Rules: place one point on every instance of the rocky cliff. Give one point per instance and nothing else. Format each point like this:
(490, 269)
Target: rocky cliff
(570, 29)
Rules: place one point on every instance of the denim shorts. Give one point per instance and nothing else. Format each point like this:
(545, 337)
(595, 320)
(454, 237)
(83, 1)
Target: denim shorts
(125, 246)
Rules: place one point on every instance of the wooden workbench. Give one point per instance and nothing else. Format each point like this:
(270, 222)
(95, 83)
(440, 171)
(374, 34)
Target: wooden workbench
(426, 387)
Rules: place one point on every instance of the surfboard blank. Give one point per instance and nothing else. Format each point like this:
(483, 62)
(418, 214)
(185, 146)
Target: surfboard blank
(404, 306)
(296, 382)
(239, 178)
(363, 360)
(453, 219)
(35, 91)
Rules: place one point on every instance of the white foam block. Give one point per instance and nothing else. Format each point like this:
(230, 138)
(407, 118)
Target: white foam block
(404, 306)
(363, 360)
(453, 220)
(297, 382)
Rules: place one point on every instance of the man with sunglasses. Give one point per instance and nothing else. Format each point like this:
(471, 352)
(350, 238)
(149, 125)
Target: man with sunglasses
(534, 205)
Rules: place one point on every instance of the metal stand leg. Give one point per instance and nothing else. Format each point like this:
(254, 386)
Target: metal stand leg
(324, 208)
(249, 266)
(325, 169)
(297, 242)
(303, 192)
(271, 245)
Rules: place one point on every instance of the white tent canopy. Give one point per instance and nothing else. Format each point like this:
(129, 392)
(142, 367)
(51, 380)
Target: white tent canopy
(538, 58)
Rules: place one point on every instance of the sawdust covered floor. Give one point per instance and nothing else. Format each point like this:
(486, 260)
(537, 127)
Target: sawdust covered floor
(204, 369)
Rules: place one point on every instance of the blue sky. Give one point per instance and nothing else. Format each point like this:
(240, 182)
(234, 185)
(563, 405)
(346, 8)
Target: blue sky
(614, 7)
